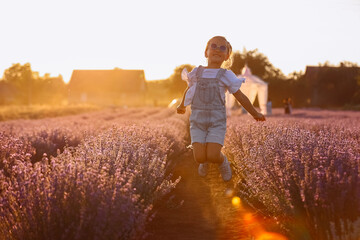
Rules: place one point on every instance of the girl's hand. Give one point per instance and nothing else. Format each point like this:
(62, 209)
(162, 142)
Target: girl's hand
(181, 109)
(259, 117)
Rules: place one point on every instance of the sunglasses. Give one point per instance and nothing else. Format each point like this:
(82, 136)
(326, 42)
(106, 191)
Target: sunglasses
(214, 46)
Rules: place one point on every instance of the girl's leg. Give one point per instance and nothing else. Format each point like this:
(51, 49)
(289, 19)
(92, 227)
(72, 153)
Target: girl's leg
(199, 151)
(209, 152)
(213, 153)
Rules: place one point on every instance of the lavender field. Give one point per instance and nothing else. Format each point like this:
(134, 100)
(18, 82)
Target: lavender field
(301, 170)
(110, 168)
(100, 175)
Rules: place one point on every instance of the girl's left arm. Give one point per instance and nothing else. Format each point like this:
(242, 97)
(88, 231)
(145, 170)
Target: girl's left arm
(245, 102)
(181, 109)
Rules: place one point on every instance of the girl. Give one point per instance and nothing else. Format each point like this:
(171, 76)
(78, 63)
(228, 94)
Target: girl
(206, 94)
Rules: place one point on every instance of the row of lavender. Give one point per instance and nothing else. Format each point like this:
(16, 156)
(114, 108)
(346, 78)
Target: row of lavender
(109, 171)
(302, 172)
(49, 135)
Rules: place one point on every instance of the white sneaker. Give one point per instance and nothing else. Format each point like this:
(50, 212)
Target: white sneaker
(225, 170)
(203, 169)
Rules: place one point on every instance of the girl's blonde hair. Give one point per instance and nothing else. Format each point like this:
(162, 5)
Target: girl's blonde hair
(226, 64)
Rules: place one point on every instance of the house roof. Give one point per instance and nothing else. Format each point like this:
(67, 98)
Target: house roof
(313, 73)
(107, 80)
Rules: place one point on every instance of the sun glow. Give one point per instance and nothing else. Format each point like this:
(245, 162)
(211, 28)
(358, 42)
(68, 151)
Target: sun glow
(252, 224)
(135, 38)
(248, 217)
(236, 202)
(270, 236)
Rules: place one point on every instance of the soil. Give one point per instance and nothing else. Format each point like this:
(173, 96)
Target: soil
(206, 212)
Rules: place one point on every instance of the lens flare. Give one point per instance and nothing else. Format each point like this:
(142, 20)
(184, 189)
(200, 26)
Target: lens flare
(236, 202)
(248, 217)
(271, 236)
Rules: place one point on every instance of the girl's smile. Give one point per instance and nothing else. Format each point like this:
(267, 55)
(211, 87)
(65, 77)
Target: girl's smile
(216, 52)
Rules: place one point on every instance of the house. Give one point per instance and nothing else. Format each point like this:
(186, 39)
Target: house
(331, 86)
(107, 87)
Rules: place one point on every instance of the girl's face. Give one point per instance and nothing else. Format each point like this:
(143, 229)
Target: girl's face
(217, 52)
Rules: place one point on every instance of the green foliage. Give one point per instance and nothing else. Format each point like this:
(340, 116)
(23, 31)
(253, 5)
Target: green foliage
(257, 62)
(294, 87)
(177, 86)
(157, 93)
(262, 67)
(30, 88)
(50, 90)
(20, 76)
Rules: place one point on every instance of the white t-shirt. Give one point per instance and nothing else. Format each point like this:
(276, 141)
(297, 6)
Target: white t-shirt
(228, 82)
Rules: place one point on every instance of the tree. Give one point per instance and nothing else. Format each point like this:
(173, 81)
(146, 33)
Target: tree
(50, 90)
(261, 67)
(177, 86)
(21, 77)
(297, 89)
(30, 88)
(257, 62)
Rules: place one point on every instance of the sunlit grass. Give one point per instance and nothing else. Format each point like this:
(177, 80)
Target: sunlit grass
(43, 111)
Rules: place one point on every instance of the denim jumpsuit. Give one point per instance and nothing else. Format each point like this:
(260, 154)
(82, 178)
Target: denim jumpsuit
(208, 113)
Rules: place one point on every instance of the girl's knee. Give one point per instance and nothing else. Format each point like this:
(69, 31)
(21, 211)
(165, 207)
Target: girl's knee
(200, 159)
(199, 152)
(215, 158)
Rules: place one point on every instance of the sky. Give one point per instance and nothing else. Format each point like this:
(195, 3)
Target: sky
(57, 37)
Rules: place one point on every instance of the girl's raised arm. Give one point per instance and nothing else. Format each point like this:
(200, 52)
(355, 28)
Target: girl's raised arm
(245, 102)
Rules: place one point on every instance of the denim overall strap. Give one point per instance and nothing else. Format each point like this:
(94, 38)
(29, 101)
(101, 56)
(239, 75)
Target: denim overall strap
(207, 93)
(220, 73)
(199, 72)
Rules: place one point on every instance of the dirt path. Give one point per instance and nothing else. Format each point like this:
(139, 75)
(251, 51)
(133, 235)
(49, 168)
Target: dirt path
(207, 211)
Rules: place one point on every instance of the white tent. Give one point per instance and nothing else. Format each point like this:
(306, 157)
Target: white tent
(252, 86)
